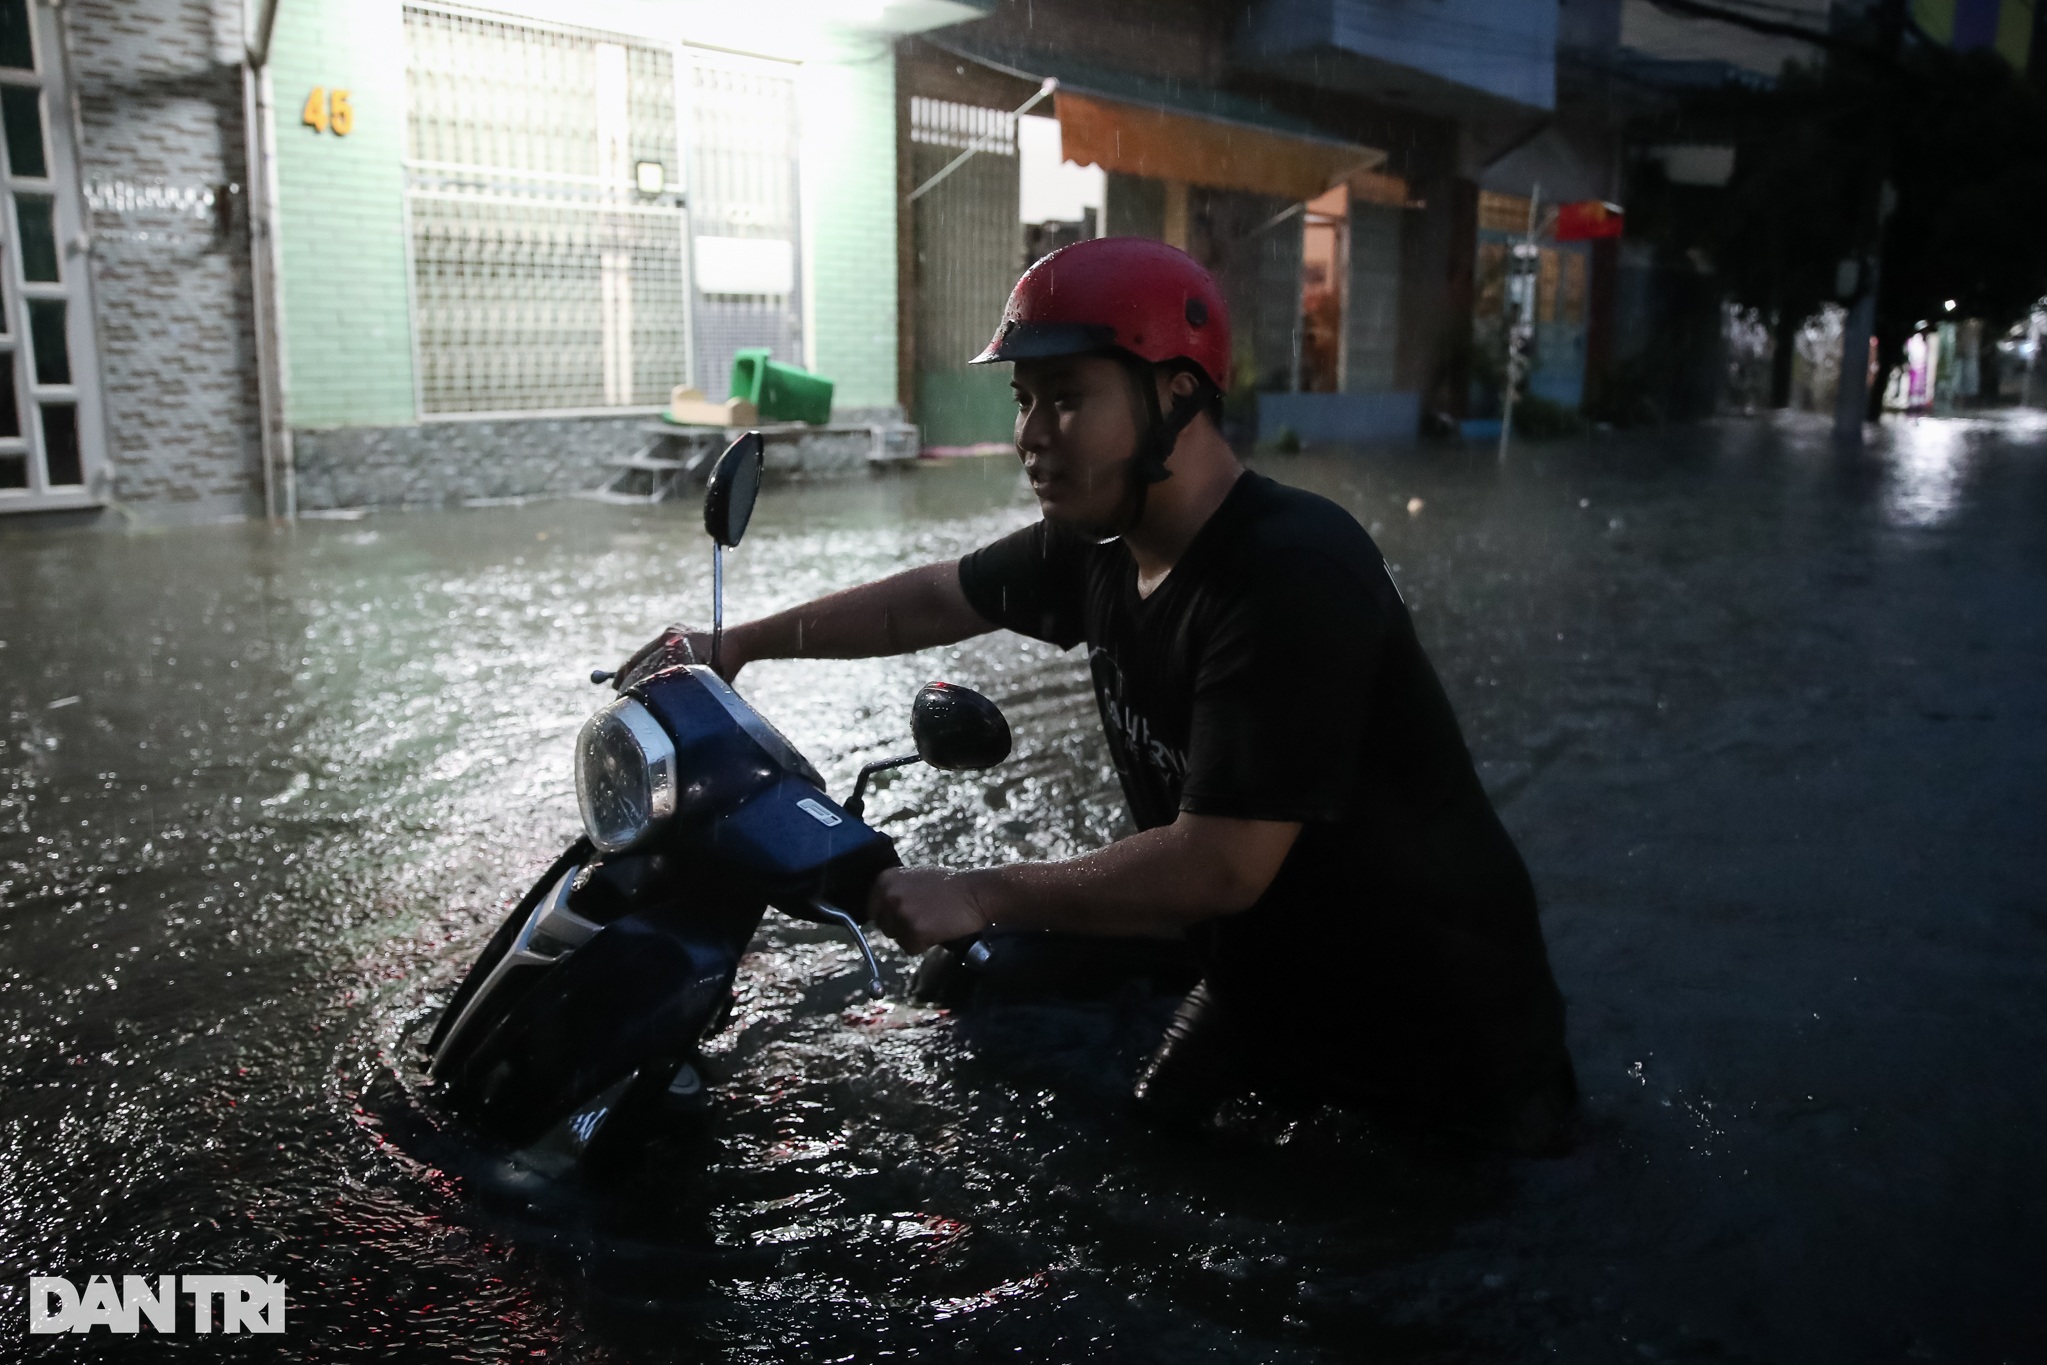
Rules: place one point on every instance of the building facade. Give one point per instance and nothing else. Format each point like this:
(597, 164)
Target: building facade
(310, 255)
(301, 255)
(1326, 159)
(129, 376)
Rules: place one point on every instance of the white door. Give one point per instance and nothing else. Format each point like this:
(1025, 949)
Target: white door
(51, 441)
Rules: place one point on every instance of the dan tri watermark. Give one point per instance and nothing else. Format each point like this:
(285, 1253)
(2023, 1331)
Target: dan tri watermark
(246, 1303)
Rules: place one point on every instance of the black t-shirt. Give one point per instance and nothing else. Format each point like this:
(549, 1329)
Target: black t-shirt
(1275, 675)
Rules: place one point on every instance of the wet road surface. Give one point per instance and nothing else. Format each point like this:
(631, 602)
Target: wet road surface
(1766, 722)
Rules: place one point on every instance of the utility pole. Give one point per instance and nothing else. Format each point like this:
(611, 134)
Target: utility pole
(1519, 322)
(2036, 335)
(1851, 398)
(280, 487)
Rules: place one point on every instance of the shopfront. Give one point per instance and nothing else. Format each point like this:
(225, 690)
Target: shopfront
(1527, 275)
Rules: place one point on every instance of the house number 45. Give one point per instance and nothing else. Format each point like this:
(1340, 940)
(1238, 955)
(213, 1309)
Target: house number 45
(329, 111)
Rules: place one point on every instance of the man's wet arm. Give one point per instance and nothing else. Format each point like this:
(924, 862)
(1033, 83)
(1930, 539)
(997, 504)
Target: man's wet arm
(916, 609)
(1155, 882)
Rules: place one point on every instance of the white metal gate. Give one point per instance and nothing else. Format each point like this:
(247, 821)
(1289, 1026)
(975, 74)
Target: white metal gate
(51, 437)
(592, 218)
(548, 235)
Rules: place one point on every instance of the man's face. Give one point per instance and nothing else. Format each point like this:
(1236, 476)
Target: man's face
(1076, 429)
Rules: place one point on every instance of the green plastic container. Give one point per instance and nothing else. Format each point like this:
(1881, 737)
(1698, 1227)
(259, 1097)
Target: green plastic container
(782, 393)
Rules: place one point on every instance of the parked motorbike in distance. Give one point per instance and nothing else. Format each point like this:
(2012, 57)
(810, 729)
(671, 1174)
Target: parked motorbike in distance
(576, 1033)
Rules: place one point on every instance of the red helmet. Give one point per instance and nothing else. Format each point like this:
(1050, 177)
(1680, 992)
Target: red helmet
(1129, 293)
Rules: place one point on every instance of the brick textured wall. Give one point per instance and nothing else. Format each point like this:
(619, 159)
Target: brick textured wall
(439, 464)
(160, 112)
(849, 215)
(348, 332)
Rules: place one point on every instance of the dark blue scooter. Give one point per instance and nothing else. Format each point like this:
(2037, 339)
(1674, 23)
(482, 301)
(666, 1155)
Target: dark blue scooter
(577, 1030)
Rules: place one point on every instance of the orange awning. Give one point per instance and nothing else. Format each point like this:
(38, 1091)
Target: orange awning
(1138, 139)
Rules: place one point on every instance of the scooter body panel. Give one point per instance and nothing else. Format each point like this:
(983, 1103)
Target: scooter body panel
(791, 845)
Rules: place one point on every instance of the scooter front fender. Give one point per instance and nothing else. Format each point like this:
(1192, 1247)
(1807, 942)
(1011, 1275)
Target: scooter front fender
(641, 989)
(575, 856)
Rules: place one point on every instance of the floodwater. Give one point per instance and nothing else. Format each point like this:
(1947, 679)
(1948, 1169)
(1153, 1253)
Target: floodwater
(1765, 720)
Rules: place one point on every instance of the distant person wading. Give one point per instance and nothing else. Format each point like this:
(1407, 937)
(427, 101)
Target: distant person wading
(1307, 813)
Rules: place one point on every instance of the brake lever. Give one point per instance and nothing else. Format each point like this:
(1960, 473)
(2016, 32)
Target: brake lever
(852, 926)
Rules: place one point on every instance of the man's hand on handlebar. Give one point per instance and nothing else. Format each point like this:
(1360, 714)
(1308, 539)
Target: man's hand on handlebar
(677, 644)
(922, 906)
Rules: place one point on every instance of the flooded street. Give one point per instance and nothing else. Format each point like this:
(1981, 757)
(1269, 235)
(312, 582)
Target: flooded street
(1765, 720)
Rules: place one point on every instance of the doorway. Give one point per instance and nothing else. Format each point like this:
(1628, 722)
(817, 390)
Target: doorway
(1323, 270)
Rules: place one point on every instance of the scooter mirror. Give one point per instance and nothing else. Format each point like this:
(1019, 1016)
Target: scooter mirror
(730, 491)
(957, 729)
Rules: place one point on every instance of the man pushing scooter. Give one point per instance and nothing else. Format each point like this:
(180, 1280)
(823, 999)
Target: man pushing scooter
(1307, 813)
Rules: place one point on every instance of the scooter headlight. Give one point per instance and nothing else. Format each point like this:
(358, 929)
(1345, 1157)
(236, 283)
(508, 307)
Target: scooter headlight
(625, 775)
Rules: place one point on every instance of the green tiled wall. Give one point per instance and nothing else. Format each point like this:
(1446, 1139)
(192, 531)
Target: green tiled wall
(342, 216)
(848, 113)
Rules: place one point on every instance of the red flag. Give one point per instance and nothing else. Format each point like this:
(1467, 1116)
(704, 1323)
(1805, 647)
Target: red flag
(1587, 219)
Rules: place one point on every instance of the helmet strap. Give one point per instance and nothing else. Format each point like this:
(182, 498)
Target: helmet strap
(1161, 429)
(1159, 434)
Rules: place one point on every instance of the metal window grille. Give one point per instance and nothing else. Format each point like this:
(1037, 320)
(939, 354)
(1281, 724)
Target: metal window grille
(544, 276)
(969, 237)
(942, 123)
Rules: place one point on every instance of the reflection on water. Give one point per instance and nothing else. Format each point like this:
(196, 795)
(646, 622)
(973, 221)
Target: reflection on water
(1929, 460)
(303, 771)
